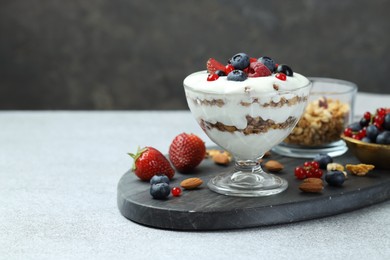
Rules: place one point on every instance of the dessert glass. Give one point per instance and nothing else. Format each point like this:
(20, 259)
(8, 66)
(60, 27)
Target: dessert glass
(247, 124)
(329, 111)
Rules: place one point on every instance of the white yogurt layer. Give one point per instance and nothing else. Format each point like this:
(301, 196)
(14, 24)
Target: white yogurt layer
(260, 97)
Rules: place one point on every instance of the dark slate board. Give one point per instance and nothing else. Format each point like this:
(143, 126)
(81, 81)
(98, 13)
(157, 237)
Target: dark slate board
(203, 209)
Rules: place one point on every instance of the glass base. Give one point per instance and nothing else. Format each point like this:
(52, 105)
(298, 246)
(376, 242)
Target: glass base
(334, 149)
(247, 184)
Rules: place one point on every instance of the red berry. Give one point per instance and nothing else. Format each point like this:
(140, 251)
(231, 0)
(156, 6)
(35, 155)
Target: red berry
(252, 60)
(315, 165)
(381, 111)
(367, 115)
(186, 152)
(379, 119)
(176, 191)
(212, 77)
(228, 68)
(148, 162)
(317, 173)
(300, 173)
(213, 66)
(362, 133)
(356, 136)
(258, 69)
(281, 76)
(348, 132)
(307, 164)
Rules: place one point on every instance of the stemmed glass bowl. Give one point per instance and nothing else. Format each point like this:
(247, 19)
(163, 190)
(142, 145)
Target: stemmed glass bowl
(246, 123)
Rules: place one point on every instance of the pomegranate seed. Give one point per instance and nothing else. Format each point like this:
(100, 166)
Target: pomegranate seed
(281, 76)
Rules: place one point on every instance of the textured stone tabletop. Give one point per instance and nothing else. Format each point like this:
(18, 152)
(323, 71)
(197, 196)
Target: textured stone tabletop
(58, 178)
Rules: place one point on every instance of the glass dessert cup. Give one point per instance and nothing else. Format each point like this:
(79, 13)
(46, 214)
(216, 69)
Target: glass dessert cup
(247, 124)
(329, 110)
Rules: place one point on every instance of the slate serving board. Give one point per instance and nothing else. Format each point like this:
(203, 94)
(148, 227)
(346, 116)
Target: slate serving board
(203, 209)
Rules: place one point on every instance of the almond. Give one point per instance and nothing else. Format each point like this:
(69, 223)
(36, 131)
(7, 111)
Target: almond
(314, 180)
(222, 158)
(273, 166)
(311, 187)
(191, 183)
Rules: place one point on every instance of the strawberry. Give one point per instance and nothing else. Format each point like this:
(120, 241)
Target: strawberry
(148, 162)
(186, 152)
(213, 66)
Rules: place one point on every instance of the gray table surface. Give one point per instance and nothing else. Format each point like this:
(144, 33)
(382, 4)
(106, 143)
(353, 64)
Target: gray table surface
(58, 177)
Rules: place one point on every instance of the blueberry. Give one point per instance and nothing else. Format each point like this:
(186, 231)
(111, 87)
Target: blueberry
(372, 132)
(220, 73)
(383, 138)
(237, 75)
(364, 122)
(323, 159)
(355, 127)
(268, 62)
(160, 190)
(159, 179)
(366, 140)
(335, 178)
(386, 122)
(285, 69)
(240, 61)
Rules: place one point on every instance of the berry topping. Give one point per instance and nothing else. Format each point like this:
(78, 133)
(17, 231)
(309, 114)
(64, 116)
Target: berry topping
(281, 76)
(240, 61)
(323, 160)
(176, 191)
(159, 179)
(220, 73)
(285, 69)
(335, 178)
(258, 69)
(160, 191)
(148, 162)
(213, 66)
(186, 152)
(212, 77)
(237, 75)
(229, 68)
(308, 170)
(268, 62)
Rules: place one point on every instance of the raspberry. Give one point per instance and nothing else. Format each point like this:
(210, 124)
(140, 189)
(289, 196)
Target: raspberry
(258, 69)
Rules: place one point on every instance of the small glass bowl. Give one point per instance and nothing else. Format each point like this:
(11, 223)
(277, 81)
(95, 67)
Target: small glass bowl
(329, 110)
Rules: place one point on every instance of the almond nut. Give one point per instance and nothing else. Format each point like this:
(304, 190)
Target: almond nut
(191, 183)
(311, 187)
(314, 180)
(273, 166)
(221, 158)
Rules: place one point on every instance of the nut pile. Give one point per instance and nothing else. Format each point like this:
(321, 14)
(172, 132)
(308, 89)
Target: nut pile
(322, 122)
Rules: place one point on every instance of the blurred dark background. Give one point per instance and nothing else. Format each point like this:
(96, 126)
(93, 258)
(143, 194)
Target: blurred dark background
(128, 54)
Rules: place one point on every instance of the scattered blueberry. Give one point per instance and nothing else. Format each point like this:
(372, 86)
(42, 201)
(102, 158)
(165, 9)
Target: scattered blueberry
(160, 190)
(386, 122)
(383, 138)
(335, 178)
(355, 127)
(237, 75)
(240, 61)
(285, 69)
(323, 159)
(372, 132)
(268, 62)
(159, 179)
(220, 73)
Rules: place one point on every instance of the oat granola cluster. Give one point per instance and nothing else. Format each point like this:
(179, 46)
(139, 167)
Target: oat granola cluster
(322, 122)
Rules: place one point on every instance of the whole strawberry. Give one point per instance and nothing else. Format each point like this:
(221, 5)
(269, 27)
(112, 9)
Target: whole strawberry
(186, 152)
(149, 161)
